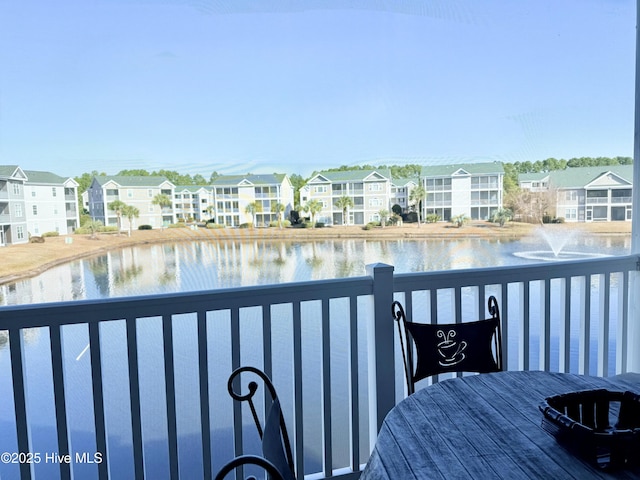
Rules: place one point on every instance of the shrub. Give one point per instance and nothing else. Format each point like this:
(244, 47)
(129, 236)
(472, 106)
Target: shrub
(558, 220)
(213, 226)
(108, 228)
(246, 225)
(319, 224)
(178, 225)
(285, 223)
(51, 234)
(432, 218)
(145, 227)
(371, 225)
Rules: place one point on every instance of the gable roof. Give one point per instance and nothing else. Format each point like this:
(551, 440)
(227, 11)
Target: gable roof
(580, 177)
(353, 175)
(46, 178)
(462, 169)
(132, 181)
(12, 171)
(256, 180)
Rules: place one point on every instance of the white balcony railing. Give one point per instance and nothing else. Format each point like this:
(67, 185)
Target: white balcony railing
(330, 347)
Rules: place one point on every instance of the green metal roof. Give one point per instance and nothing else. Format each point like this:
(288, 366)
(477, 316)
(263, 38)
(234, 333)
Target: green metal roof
(235, 180)
(471, 168)
(47, 178)
(579, 177)
(132, 181)
(7, 170)
(532, 177)
(353, 175)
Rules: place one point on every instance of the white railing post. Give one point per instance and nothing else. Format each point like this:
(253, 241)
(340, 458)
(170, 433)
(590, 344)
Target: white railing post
(381, 349)
(633, 363)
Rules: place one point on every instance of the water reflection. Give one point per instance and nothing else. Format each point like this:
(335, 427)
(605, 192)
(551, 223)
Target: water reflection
(165, 268)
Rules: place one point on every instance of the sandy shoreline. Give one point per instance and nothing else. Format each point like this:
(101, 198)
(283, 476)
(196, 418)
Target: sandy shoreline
(26, 260)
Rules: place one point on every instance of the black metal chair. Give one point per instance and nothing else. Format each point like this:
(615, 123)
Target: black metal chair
(243, 460)
(276, 447)
(453, 347)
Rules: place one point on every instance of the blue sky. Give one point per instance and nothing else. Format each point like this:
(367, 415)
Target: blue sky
(289, 86)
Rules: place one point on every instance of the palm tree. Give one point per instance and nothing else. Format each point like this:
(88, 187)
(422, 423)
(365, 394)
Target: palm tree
(345, 202)
(162, 201)
(253, 209)
(210, 209)
(384, 216)
(117, 206)
(416, 197)
(459, 220)
(130, 212)
(502, 216)
(278, 208)
(93, 226)
(314, 207)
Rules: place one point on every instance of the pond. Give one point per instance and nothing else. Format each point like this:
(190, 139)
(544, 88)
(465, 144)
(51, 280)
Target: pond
(162, 268)
(181, 267)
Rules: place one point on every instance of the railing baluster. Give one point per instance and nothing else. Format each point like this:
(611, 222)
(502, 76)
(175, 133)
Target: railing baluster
(622, 338)
(16, 346)
(59, 398)
(564, 361)
(526, 334)
(354, 395)
(98, 399)
(585, 327)
(170, 395)
(504, 318)
(134, 398)
(297, 389)
(203, 375)
(604, 317)
(545, 325)
(235, 363)
(327, 463)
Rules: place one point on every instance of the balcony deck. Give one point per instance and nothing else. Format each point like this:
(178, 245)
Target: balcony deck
(150, 383)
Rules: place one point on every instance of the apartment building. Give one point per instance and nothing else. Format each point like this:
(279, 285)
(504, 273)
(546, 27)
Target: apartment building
(137, 191)
(234, 193)
(13, 214)
(474, 190)
(369, 191)
(51, 203)
(401, 189)
(35, 202)
(194, 202)
(586, 194)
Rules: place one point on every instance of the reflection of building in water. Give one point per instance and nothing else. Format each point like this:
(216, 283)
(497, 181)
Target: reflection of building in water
(137, 270)
(63, 283)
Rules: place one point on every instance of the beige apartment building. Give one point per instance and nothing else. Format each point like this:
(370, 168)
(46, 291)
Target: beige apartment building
(137, 191)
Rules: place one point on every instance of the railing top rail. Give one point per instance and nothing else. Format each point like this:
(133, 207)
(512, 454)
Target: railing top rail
(89, 311)
(514, 273)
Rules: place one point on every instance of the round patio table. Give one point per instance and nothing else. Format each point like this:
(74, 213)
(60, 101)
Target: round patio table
(483, 427)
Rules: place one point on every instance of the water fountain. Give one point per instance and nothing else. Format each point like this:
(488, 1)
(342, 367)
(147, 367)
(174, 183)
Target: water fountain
(556, 239)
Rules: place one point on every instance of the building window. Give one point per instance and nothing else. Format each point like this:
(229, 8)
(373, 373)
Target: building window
(571, 214)
(149, 193)
(320, 189)
(18, 210)
(33, 193)
(130, 193)
(571, 195)
(20, 232)
(375, 187)
(54, 191)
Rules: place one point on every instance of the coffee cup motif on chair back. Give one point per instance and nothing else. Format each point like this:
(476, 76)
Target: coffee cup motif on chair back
(451, 351)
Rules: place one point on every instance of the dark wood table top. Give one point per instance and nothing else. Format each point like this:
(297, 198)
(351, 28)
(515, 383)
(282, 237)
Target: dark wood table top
(485, 426)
